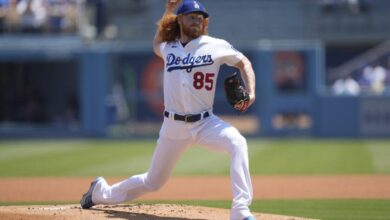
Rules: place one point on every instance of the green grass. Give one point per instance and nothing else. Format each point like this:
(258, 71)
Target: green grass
(317, 209)
(74, 158)
(313, 157)
(127, 157)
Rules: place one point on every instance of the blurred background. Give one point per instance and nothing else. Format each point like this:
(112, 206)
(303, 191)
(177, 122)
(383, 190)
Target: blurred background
(85, 68)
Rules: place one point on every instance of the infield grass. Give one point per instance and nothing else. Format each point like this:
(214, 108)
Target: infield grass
(317, 209)
(127, 157)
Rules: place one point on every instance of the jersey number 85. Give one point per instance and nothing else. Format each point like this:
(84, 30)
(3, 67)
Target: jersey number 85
(205, 80)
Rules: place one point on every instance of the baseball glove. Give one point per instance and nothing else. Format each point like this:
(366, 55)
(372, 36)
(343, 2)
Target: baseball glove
(235, 93)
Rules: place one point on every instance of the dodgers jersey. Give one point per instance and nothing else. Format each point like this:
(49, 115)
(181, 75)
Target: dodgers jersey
(190, 72)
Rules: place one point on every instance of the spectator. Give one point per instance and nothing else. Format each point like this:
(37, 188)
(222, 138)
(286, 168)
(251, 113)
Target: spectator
(71, 16)
(365, 80)
(62, 15)
(378, 79)
(55, 15)
(374, 78)
(3, 7)
(33, 15)
(12, 18)
(346, 86)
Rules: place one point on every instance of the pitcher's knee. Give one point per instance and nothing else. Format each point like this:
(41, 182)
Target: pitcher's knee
(153, 186)
(239, 144)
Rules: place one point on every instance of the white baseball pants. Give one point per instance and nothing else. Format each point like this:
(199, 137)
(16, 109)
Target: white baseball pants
(175, 138)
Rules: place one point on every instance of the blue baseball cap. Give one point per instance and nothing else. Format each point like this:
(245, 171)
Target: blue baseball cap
(191, 6)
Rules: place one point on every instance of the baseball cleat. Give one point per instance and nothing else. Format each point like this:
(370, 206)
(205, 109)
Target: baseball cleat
(249, 218)
(86, 200)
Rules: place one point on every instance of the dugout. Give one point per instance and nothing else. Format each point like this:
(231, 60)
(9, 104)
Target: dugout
(51, 87)
(39, 87)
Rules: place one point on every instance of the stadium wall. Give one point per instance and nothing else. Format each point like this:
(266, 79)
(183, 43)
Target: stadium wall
(118, 89)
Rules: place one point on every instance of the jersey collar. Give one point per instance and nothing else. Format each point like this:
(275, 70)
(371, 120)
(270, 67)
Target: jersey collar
(193, 43)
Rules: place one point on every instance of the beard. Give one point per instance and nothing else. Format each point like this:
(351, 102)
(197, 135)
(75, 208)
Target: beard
(192, 31)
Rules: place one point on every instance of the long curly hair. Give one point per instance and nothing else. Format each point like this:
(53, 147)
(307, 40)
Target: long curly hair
(169, 28)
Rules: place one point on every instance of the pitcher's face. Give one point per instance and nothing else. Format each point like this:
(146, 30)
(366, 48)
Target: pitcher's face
(192, 24)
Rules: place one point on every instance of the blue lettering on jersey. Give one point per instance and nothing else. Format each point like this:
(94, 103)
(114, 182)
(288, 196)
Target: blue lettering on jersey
(188, 62)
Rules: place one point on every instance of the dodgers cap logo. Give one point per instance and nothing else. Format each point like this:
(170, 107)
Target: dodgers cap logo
(191, 6)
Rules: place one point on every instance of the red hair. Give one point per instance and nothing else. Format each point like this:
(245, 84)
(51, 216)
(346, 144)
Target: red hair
(169, 28)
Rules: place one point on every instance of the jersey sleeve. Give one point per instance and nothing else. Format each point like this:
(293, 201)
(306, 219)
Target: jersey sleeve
(162, 48)
(231, 56)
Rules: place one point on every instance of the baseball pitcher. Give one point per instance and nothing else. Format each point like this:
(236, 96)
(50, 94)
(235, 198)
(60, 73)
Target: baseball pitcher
(192, 60)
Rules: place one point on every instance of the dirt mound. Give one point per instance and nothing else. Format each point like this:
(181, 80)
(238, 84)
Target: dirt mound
(133, 211)
(70, 189)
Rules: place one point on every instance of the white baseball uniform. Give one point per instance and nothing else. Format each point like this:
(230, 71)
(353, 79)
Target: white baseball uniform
(190, 78)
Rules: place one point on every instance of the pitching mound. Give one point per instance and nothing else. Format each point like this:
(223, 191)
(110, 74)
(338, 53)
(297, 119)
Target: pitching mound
(134, 211)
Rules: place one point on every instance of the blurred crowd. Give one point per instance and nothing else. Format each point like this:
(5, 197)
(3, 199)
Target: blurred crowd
(38, 16)
(373, 78)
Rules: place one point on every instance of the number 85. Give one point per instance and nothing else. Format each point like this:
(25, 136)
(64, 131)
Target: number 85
(203, 80)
